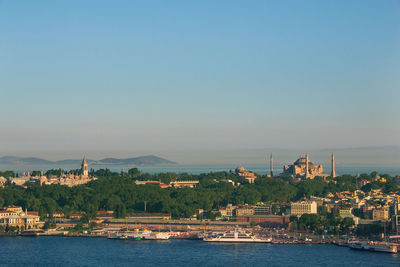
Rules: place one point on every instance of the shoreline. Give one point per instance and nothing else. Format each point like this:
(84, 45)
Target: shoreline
(337, 242)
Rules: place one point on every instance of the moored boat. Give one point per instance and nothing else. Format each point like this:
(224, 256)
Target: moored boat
(237, 237)
(374, 246)
(134, 235)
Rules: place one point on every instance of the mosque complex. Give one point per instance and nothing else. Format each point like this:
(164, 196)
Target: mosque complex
(301, 168)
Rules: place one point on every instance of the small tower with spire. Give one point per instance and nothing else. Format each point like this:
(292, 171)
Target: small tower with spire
(306, 174)
(333, 172)
(85, 169)
(271, 165)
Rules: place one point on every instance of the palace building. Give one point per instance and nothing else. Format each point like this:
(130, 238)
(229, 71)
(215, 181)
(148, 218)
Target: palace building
(14, 216)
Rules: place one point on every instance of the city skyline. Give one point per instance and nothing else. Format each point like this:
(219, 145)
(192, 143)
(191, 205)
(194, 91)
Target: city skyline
(373, 156)
(179, 78)
(148, 132)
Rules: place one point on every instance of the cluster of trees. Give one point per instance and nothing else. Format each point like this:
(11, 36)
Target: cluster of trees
(330, 223)
(118, 192)
(388, 185)
(370, 229)
(7, 173)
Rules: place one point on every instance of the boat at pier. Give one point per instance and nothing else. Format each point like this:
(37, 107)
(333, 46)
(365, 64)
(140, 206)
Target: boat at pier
(374, 246)
(135, 235)
(237, 237)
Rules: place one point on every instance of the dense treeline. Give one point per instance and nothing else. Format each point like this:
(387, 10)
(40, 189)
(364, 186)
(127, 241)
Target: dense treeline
(118, 192)
(321, 223)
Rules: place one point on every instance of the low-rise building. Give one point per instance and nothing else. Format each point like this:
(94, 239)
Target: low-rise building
(179, 184)
(176, 184)
(346, 213)
(381, 214)
(244, 211)
(146, 215)
(303, 207)
(264, 219)
(222, 210)
(262, 209)
(230, 210)
(76, 216)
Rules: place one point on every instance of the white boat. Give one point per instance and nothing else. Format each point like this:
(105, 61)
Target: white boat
(123, 235)
(355, 245)
(374, 246)
(237, 237)
(136, 234)
(158, 236)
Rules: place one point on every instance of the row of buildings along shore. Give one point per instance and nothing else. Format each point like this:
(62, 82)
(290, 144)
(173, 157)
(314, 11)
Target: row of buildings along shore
(364, 208)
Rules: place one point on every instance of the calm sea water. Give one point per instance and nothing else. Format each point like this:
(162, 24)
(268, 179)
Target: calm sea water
(75, 251)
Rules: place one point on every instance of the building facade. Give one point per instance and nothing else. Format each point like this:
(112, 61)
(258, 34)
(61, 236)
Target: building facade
(303, 167)
(249, 176)
(13, 216)
(303, 207)
(381, 214)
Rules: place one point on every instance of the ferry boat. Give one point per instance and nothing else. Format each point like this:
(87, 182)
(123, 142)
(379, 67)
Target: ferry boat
(374, 246)
(237, 237)
(135, 235)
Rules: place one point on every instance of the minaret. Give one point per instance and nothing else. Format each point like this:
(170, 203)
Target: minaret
(85, 169)
(271, 165)
(333, 173)
(306, 164)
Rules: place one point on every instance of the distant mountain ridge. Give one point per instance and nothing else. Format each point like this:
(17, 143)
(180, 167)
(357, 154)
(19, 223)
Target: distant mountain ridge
(140, 161)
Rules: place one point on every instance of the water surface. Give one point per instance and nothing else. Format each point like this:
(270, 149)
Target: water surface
(79, 251)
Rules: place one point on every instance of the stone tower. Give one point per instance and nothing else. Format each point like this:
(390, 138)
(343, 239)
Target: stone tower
(333, 172)
(271, 165)
(306, 174)
(85, 169)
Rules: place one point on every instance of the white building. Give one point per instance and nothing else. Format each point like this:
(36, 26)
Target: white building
(303, 207)
(346, 213)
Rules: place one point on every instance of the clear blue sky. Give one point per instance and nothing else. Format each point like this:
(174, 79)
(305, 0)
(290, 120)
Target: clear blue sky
(118, 78)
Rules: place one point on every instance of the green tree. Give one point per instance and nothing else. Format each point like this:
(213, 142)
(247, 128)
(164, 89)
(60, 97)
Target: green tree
(120, 211)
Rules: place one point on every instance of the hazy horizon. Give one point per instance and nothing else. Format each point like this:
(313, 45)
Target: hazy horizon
(387, 155)
(206, 82)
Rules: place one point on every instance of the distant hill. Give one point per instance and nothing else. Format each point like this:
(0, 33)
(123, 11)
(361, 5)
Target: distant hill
(10, 160)
(139, 161)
